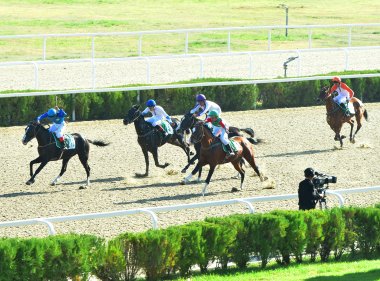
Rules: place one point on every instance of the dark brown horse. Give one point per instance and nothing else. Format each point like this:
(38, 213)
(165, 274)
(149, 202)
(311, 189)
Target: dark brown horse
(213, 154)
(336, 117)
(48, 151)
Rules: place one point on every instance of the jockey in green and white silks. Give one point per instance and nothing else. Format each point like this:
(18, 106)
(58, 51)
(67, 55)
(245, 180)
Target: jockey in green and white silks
(57, 117)
(159, 114)
(204, 106)
(220, 129)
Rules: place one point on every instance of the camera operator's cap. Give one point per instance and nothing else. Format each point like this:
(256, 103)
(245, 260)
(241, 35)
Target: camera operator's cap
(309, 172)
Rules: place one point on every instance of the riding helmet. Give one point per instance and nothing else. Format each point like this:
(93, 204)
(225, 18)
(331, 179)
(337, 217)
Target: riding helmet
(52, 112)
(151, 103)
(336, 79)
(213, 113)
(201, 97)
(309, 172)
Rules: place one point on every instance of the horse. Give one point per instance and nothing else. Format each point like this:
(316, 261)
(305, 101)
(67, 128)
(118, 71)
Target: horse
(48, 151)
(150, 139)
(212, 154)
(188, 121)
(336, 117)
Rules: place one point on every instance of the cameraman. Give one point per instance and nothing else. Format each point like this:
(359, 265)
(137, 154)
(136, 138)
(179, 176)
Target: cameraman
(307, 194)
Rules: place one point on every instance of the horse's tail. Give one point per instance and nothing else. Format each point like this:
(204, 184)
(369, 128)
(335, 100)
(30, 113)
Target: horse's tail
(98, 142)
(365, 113)
(254, 141)
(249, 131)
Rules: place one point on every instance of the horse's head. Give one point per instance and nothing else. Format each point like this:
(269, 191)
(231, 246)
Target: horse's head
(187, 121)
(31, 131)
(132, 115)
(197, 132)
(323, 93)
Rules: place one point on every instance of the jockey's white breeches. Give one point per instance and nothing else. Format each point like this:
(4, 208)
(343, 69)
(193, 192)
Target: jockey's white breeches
(342, 98)
(58, 129)
(154, 120)
(221, 133)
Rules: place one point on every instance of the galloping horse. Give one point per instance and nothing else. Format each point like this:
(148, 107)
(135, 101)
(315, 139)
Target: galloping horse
(336, 117)
(188, 121)
(149, 138)
(212, 154)
(48, 151)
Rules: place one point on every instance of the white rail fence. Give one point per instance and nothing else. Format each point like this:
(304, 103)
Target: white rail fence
(186, 32)
(149, 60)
(153, 210)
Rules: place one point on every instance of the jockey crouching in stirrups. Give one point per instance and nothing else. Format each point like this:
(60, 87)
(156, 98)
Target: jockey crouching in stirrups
(345, 94)
(57, 117)
(220, 129)
(159, 114)
(203, 106)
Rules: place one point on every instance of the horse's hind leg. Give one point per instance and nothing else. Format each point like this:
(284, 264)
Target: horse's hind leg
(155, 157)
(63, 170)
(352, 128)
(84, 160)
(238, 167)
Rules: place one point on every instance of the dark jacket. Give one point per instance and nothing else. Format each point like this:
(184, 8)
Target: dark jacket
(307, 195)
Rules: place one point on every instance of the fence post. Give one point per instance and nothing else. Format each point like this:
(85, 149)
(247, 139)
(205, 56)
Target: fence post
(310, 34)
(340, 197)
(249, 205)
(140, 45)
(49, 225)
(349, 36)
(93, 47)
(153, 216)
(187, 43)
(44, 49)
(35, 75)
(269, 39)
(229, 42)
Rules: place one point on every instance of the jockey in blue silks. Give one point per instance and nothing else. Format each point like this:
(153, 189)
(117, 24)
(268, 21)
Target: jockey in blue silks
(57, 117)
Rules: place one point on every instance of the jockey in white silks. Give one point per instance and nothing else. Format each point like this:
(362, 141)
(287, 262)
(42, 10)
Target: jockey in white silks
(57, 117)
(159, 114)
(220, 129)
(204, 106)
(344, 95)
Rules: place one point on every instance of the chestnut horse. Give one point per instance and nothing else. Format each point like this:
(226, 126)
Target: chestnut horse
(212, 153)
(336, 117)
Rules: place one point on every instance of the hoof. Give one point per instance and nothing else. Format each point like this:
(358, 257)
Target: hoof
(141, 175)
(234, 189)
(166, 164)
(29, 182)
(183, 171)
(53, 184)
(342, 137)
(83, 187)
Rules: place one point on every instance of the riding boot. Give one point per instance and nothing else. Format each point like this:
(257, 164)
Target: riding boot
(165, 135)
(62, 141)
(230, 152)
(345, 109)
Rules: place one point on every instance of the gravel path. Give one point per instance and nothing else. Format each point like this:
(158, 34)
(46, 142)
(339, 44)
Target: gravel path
(293, 140)
(60, 76)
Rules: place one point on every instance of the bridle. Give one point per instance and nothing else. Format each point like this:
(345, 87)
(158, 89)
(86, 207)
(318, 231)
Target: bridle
(196, 140)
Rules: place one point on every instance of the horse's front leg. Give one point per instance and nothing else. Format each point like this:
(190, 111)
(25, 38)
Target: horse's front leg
(155, 157)
(42, 165)
(210, 172)
(146, 156)
(37, 160)
(351, 122)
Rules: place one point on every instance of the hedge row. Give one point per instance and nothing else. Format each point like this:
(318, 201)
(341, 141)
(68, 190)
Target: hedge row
(284, 235)
(17, 111)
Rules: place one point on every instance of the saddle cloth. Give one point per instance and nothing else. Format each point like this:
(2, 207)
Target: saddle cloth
(167, 127)
(233, 144)
(69, 141)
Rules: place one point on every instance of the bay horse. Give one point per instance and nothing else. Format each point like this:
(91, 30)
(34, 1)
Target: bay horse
(48, 151)
(336, 117)
(212, 154)
(189, 120)
(150, 139)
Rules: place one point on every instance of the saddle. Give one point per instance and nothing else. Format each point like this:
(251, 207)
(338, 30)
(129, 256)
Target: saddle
(68, 143)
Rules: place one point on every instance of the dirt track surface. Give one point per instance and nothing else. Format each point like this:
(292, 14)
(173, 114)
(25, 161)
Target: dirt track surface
(294, 139)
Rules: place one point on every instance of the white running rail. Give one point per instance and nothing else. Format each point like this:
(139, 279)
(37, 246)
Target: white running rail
(153, 210)
(186, 32)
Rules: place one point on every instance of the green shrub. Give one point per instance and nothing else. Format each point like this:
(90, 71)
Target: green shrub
(315, 219)
(367, 221)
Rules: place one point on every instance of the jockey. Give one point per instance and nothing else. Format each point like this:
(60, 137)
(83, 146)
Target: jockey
(204, 106)
(57, 117)
(158, 113)
(344, 93)
(220, 129)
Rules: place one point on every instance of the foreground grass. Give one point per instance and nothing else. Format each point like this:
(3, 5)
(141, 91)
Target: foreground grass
(83, 16)
(336, 271)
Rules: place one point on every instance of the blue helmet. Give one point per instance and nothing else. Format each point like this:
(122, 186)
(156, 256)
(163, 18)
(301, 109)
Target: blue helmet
(52, 112)
(150, 103)
(201, 97)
